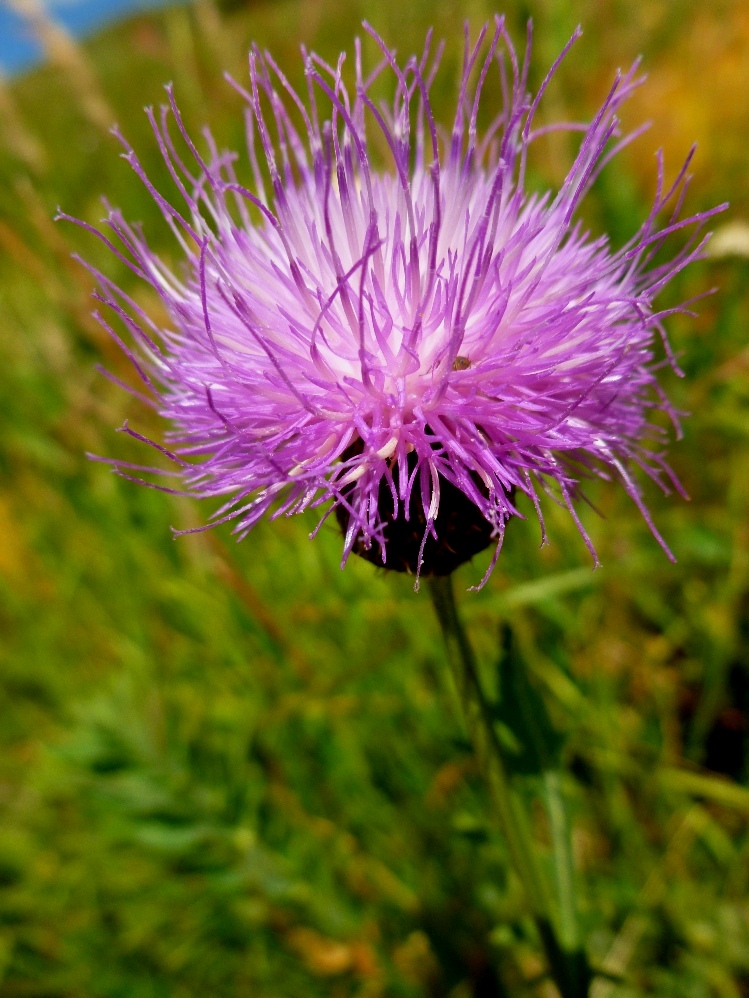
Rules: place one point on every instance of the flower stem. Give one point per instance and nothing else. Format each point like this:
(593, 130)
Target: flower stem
(564, 871)
(566, 961)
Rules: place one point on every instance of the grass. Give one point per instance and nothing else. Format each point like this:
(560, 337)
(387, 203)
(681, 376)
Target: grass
(235, 770)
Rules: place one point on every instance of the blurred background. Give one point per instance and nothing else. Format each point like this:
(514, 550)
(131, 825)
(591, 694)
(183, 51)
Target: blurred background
(236, 770)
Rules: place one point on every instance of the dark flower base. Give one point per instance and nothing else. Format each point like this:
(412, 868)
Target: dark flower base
(462, 531)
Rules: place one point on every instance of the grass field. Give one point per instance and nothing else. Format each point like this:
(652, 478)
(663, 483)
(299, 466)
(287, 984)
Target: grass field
(231, 770)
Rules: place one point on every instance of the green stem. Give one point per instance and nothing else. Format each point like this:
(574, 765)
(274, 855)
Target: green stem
(564, 870)
(566, 963)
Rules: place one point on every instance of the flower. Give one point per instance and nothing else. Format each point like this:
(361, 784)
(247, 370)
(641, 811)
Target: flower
(416, 345)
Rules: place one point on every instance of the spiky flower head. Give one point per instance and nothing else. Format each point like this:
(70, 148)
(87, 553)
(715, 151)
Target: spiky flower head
(415, 344)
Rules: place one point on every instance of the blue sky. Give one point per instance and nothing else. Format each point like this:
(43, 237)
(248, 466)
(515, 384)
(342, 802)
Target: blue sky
(18, 49)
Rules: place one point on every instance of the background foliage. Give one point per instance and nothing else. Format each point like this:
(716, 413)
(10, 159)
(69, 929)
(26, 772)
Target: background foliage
(235, 770)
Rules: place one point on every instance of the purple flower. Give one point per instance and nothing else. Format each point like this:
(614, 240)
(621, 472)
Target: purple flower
(415, 344)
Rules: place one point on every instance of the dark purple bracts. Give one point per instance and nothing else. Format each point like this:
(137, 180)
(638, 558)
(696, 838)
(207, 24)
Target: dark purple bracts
(422, 339)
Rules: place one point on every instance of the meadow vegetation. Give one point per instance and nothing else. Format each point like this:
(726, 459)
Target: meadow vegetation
(236, 770)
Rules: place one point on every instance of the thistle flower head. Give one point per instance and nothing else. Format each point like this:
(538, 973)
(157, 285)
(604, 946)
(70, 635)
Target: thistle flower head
(413, 339)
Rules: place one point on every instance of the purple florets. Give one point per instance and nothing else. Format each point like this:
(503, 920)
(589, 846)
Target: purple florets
(343, 332)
